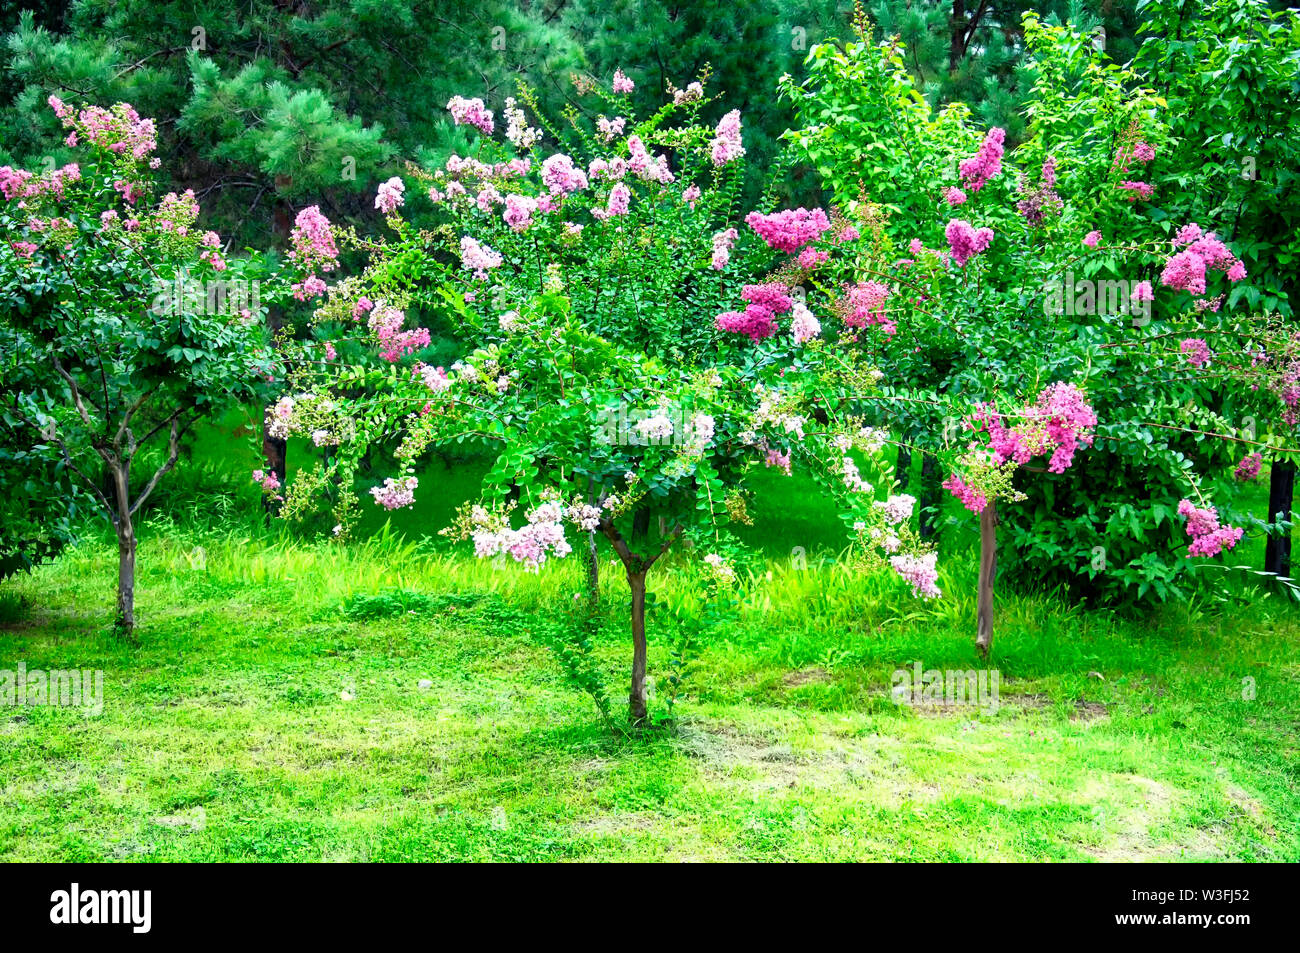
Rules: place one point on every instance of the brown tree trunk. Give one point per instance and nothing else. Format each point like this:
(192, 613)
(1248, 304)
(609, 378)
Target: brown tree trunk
(123, 523)
(988, 570)
(593, 572)
(956, 35)
(636, 699)
(1281, 487)
(126, 579)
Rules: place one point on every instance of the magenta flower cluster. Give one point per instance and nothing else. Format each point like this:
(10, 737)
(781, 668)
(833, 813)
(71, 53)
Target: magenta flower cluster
(986, 163)
(120, 130)
(1202, 252)
(758, 320)
(1249, 467)
(790, 229)
(965, 241)
(1208, 537)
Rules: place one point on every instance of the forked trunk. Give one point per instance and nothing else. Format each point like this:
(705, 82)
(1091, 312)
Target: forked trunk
(988, 569)
(636, 702)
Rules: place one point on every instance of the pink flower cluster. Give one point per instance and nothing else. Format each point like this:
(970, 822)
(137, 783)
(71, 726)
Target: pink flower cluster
(541, 536)
(269, 482)
(1141, 150)
(775, 458)
(1249, 466)
(803, 325)
(758, 320)
(621, 82)
(519, 211)
(1138, 190)
(21, 184)
(120, 130)
(618, 203)
(645, 166)
(478, 258)
(971, 498)
(726, 145)
(921, 572)
(986, 163)
(865, 305)
(1197, 351)
(386, 323)
(470, 112)
(790, 229)
(1060, 421)
(313, 241)
(395, 494)
(1208, 537)
(1202, 252)
(390, 195)
(210, 242)
(561, 176)
(434, 378)
(965, 241)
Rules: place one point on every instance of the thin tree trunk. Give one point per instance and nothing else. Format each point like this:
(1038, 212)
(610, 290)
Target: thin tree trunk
(988, 570)
(126, 579)
(125, 527)
(636, 699)
(1281, 485)
(637, 566)
(593, 572)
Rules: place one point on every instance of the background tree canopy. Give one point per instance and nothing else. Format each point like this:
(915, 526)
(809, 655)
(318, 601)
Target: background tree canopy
(294, 103)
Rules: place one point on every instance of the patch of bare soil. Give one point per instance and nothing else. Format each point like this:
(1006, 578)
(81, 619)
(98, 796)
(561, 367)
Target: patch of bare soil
(806, 676)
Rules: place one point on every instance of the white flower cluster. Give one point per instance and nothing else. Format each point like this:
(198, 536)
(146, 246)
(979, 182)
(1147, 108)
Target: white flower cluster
(520, 134)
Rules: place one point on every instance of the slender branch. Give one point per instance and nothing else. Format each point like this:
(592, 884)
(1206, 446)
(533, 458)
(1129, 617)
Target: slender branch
(173, 453)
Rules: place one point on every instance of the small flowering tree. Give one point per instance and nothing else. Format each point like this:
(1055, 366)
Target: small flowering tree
(1038, 331)
(122, 310)
(577, 289)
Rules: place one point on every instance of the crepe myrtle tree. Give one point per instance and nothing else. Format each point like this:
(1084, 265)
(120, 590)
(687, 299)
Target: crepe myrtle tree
(128, 315)
(1076, 366)
(549, 397)
(601, 406)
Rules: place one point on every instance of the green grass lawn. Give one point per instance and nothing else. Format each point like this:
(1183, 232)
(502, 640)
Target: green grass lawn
(272, 710)
(273, 707)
